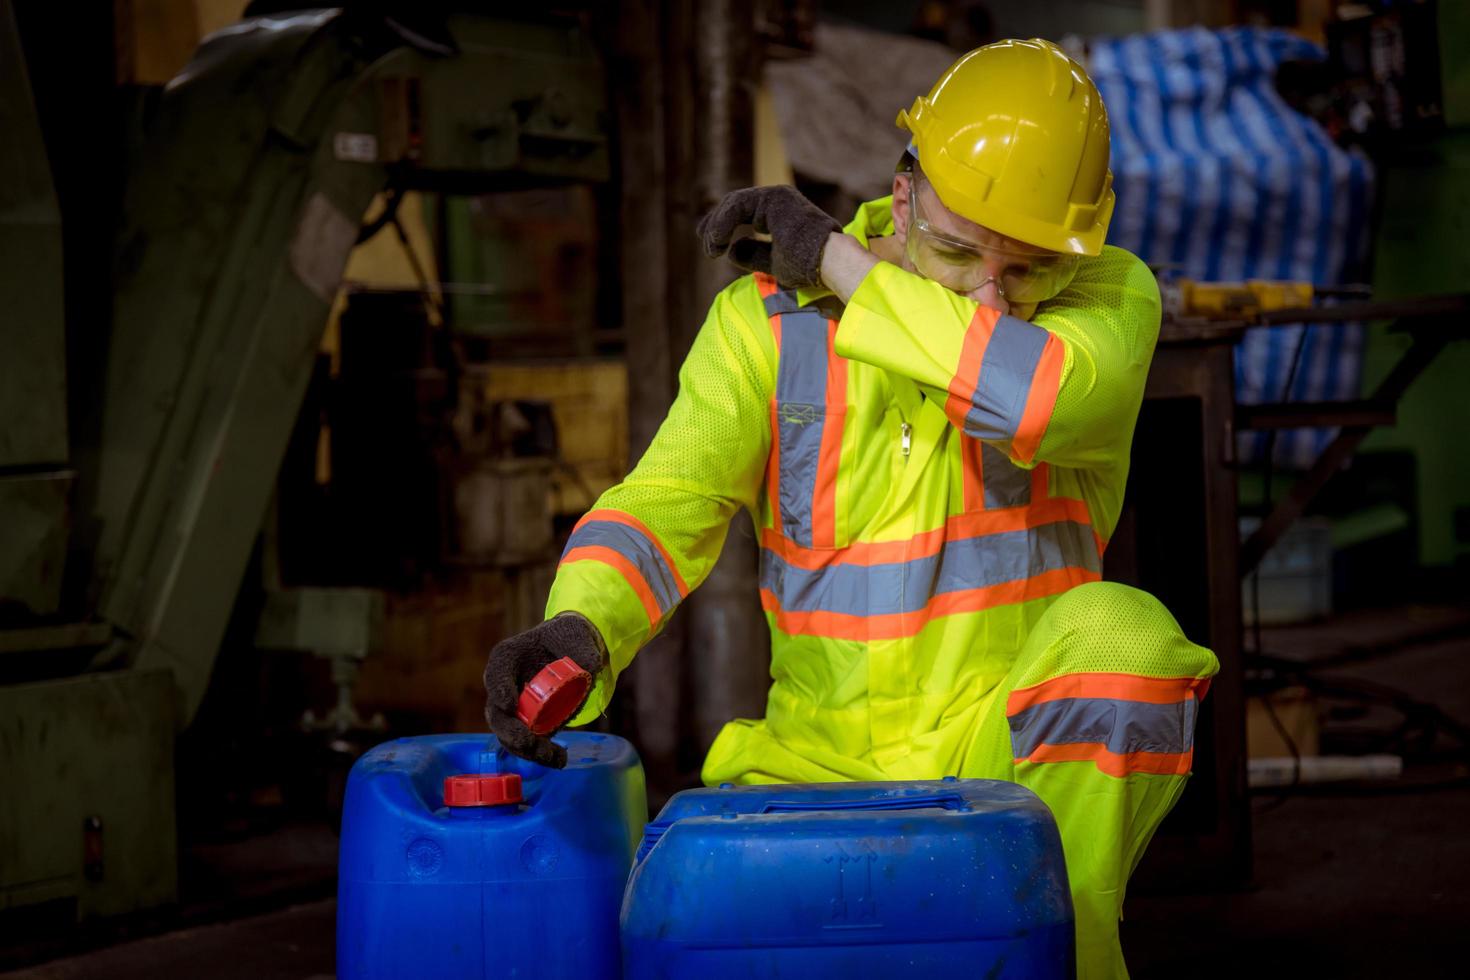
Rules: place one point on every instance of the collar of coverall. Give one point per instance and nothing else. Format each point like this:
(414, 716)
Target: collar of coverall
(874, 219)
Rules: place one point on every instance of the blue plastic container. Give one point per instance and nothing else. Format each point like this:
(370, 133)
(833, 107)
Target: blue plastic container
(943, 878)
(529, 889)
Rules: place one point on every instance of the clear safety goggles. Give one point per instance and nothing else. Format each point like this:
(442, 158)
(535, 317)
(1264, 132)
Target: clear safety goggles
(1020, 275)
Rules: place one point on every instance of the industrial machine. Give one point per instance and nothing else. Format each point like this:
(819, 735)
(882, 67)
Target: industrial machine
(123, 545)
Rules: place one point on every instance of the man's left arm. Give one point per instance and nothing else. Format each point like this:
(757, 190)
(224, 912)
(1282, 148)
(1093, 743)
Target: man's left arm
(1064, 387)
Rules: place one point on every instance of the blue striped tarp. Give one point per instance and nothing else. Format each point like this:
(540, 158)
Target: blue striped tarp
(1218, 177)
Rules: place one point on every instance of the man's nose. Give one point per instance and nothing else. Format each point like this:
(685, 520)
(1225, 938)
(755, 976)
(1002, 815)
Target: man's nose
(989, 295)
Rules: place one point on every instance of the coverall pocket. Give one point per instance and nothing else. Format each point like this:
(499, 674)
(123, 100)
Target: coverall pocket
(808, 451)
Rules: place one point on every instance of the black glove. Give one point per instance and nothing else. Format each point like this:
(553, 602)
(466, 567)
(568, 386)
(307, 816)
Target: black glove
(798, 230)
(517, 659)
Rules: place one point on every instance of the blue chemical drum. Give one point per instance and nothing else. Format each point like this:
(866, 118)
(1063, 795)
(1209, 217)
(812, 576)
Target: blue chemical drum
(460, 860)
(961, 878)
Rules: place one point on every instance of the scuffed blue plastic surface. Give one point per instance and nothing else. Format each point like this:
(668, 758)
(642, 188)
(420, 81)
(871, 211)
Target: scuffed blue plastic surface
(961, 878)
(525, 891)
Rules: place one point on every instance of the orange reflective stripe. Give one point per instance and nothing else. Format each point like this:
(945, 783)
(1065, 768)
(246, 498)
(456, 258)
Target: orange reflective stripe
(1124, 723)
(1041, 484)
(773, 469)
(973, 472)
(768, 287)
(824, 504)
(766, 283)
(1034, 514)
(1122, 687)
(1115, 764)
(893, 626)
(629, 571)
(625, 518)
(959, 527)
(967, 373)
(1040, 400)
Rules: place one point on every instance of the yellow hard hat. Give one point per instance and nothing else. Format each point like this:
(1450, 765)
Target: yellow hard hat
(1014, 136)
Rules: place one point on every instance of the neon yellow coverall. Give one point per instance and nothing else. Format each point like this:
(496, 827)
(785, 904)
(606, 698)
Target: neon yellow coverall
(934, 484)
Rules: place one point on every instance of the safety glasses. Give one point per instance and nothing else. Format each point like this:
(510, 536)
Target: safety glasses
(1020, 275)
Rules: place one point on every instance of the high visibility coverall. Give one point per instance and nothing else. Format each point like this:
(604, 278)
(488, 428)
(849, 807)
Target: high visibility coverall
(934, 484)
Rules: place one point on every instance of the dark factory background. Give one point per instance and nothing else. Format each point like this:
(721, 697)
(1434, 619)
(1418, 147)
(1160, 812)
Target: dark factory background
(310, 366)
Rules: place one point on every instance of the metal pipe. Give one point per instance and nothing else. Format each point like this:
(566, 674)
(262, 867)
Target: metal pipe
(725, 629)
(637, 39)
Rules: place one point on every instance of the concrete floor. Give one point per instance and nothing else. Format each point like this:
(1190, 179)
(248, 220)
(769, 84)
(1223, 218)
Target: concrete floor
(1346, 884)
(1363, 884)
(1344, 887)
(292, 944)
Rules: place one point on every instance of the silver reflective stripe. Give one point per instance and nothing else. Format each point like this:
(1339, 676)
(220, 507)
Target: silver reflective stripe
(1122, 726)
(1006, 484)
(1010, 362)
(801, 417)
(907, 587)
(634, 546)
(782, 302)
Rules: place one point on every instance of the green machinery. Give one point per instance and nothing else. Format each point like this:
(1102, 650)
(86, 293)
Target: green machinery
(1420, 249)
(247, 181)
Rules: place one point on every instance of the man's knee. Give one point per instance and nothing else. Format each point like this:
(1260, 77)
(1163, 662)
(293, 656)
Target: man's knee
(1108, 627)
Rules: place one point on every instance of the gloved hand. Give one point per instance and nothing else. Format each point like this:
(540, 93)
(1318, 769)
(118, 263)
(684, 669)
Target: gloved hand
(798, 230)
(517, 659)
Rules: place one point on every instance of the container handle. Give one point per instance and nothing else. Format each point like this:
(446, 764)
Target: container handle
(943, 801)
(655, 831)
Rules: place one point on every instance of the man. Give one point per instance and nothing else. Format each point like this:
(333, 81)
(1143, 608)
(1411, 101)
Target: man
(928, 414)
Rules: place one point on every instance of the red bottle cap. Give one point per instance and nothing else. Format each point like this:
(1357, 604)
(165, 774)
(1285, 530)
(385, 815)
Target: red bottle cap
(490, 789)
(550, 697)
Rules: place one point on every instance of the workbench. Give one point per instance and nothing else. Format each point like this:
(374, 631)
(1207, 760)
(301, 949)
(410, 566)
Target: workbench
(1179, 535)
(1178, 540)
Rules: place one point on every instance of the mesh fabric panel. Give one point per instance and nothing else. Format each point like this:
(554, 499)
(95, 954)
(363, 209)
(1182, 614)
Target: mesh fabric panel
(1109, 319)
(709, 455)
(1106, 627)
(707, 460)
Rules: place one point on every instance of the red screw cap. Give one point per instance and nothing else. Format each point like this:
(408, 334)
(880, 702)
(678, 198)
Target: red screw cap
(491, 789)
(550, 697)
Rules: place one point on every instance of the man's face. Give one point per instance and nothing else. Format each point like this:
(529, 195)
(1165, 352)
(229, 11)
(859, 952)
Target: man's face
(966, 257)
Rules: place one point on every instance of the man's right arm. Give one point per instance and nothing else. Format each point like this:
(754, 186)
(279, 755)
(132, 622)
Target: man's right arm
(845, 264)
(651, 539)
